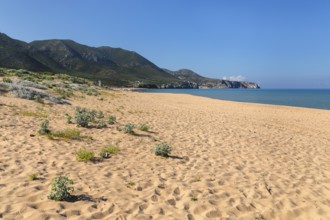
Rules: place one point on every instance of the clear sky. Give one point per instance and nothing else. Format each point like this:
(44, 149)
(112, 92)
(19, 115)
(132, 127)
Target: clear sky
(278, 43)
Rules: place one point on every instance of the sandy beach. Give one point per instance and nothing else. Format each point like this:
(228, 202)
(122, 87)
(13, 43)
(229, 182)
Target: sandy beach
(229, 161)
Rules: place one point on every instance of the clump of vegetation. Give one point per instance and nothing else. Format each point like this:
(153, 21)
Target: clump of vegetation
(24, 90)
(73, 134)
(91, 92)
(101, 124)
(7, 80)
(44, 127)
(193, 198)
(163, 150)
(130, 183)
(64, 93)
(144, 127)
(84, 116)
(128, 128)
(33, 176)
(84, 155)
(39, 114)
(68, 118)
(112, 119)
(108, 151)
(61, 188)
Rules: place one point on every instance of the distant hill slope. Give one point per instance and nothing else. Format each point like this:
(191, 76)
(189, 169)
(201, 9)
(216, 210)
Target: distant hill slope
(113, 66)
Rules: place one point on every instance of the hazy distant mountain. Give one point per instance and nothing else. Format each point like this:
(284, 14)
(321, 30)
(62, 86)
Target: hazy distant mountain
(113, 66)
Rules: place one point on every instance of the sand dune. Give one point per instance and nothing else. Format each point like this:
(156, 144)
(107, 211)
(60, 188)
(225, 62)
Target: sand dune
(237, 160)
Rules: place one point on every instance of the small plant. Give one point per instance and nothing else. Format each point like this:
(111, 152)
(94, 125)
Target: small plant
(73, 134)
(143, 127)
(108, 151)
(162, 150)
(112, 119)
(33, 176)
(7, 80)
(44, 127)
(131, 183)
(128, 128)
(60, 190)
(101, 124)
(64, 93)
(68, 118)
(104, 154)
(84, 155)
(84, 116)
(193, 198)
(38, 99)
(111, 149)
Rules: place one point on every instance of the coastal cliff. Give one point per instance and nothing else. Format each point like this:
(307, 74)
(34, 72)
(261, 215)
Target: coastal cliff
(188, 79)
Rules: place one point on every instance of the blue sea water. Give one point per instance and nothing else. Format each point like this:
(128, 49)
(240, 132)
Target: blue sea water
(308, 98)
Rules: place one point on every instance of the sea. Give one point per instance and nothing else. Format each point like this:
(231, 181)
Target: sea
(307, 98)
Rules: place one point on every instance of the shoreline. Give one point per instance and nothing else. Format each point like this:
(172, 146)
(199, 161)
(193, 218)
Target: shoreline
(262, 103)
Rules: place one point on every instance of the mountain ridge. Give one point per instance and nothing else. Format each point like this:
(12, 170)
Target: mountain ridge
(112, 66)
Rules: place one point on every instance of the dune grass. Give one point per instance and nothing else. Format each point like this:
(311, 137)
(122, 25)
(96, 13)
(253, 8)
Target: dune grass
(72, 134)
(84, 155)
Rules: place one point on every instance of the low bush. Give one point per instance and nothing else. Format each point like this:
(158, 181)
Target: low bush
(68, 119)
(193, 198)
(143, 127)
(112, 119)
(64, 93)
(33, 176)
(84, 116)
(101, 124)
(163, 150)
(44, 127)
(7, 80)
(128, 128)
(84, 155)
(61, 188)
(108, 151)
(73, 134)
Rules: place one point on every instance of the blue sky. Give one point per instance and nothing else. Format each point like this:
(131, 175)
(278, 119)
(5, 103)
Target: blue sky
(280, 44)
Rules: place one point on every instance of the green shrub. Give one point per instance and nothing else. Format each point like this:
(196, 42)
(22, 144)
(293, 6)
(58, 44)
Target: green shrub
(84, 155)
(68, 119)
(143, 127)
(112, 119)
(108, 151)
(193, 198)
(73, 134)
(44, 127)
(7, 80)
(84, 116)
(128, 128)
(64, 93)
(60, 190)
(162, 150)
(101, 124)
(33, 176)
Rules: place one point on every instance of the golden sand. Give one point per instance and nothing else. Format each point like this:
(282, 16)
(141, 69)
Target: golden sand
(231, 160)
